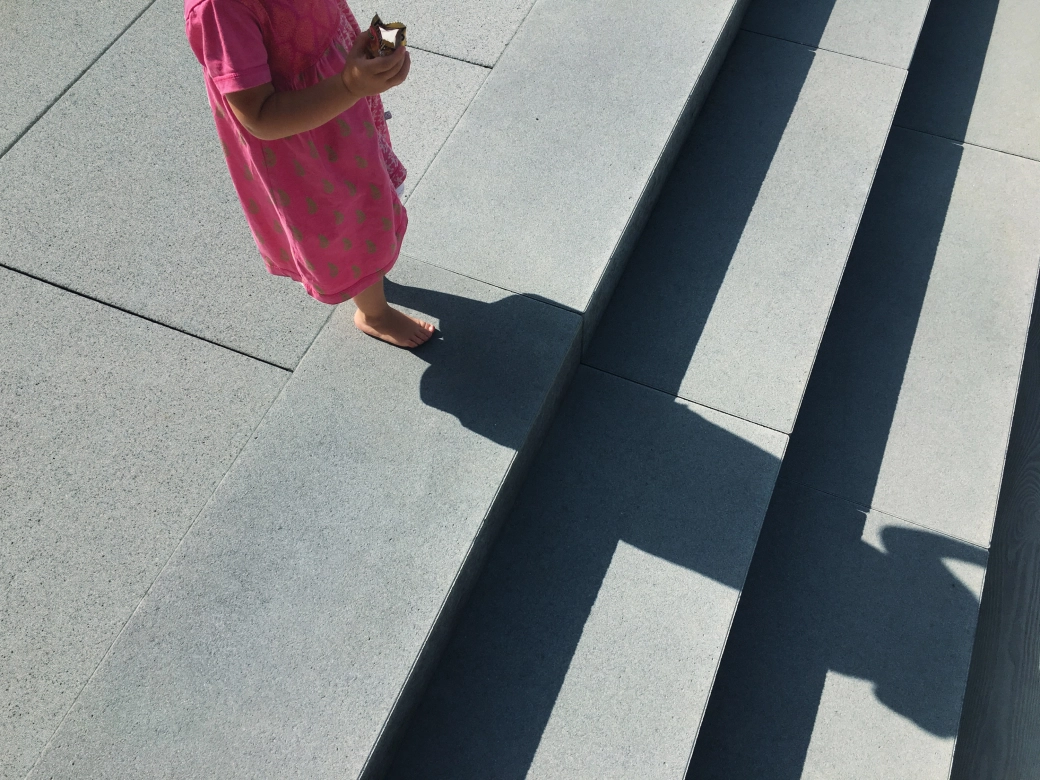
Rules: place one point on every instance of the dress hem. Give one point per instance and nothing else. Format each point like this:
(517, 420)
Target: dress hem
(359, 285)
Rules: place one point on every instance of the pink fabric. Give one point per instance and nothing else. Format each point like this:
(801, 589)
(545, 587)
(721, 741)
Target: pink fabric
(322, 205)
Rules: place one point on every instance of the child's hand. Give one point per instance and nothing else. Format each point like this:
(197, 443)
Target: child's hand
(363, 75)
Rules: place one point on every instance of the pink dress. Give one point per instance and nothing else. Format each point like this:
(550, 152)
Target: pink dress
(322, 205)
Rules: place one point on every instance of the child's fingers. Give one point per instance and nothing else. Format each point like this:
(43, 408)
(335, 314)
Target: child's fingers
(384, 66)
(401, 63)
(360, 44)
(383, 79)
(402, 74)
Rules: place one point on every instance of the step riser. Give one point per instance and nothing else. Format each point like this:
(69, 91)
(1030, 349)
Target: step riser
(433, 648)
(530, 684)
(615, 266)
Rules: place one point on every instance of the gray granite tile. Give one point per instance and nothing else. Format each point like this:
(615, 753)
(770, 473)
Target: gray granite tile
(114, 432)
(976, 75)
(882, 31)
(138, 209)
(121, 193)
(910, 402)
(427, 107)
(535, 188)
(45, 45)
(849, 651)
(592, 637)
(741, 259)
(476, 31)
(279, 639)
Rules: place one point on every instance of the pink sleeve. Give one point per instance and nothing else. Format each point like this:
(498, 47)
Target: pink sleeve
(229, 43)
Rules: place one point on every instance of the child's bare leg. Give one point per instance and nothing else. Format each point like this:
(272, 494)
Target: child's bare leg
(376, 317)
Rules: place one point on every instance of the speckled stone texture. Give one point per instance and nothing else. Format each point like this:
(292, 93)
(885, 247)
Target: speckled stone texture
(45, 45)
(591, 641)
(882, 31)
(278, 641)
(976, 75)
(535, 188)
(910, 403)
(114, 432)
(850, 649)
(742, 257)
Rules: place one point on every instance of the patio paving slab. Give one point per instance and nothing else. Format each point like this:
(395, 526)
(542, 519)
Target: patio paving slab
(911, 399)
(882, 31)
(592, 638)
(114, 432)
(427, 107)
(536, 187)
(45, 45)
(279, 640)
(742, 257)
(138, 208)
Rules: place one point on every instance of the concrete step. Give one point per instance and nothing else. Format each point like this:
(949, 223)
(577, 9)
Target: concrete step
(547, 180)
(850, 649)
(290, 631)
(742, 259)
(593, 637)
(115, 433)
(278, 639)
(588, 646)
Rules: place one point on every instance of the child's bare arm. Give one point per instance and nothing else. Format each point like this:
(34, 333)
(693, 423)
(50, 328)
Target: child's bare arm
(269, 115)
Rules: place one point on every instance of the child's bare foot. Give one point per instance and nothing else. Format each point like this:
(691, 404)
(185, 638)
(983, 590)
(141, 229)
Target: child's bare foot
(394, 327)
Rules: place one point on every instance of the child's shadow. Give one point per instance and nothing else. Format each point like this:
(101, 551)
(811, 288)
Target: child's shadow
(491, 365)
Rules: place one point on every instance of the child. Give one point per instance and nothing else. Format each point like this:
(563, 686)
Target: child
(297, 107)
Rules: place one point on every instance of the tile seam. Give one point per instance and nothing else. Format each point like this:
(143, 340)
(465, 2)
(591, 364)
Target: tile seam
(143, 317)
(71, 84)
(493, 285)
(962, 142)
(871, 508)
(144, 596)
(683, 398)
(451, 57)
(451, 132)
(489, 69)
(848, 252)
(821, 48)
(523, 21)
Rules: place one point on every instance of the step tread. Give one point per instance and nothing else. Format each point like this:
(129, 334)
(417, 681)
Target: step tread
(535, 188)
(913, 392)
(849, 651)
(976, 75)
(630, 541)
(727, 296)
(884, 31)
(279, 638)
(631, 538)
